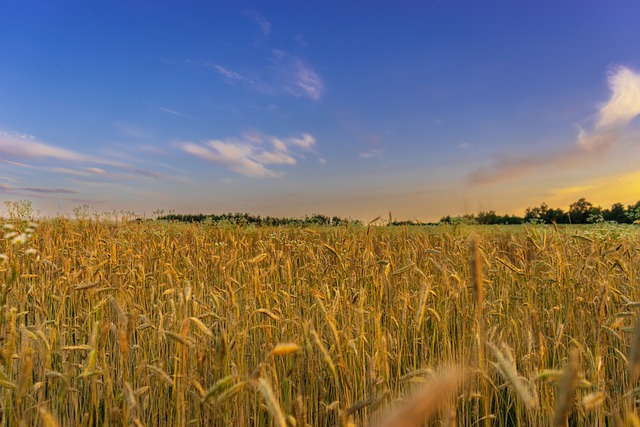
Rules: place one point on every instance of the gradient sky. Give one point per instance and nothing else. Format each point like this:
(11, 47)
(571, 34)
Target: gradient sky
(421, 108)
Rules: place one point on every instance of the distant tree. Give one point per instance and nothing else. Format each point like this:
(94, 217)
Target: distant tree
(244, 219)
(487, 218)
(617, 213)
(445, 219)
(538, 213)
(558, 216)
(512, 219)
(579, 211)
(633, 211)
(545, 215)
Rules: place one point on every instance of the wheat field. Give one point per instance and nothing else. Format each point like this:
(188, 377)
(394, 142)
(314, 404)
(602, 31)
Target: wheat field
(157, 323)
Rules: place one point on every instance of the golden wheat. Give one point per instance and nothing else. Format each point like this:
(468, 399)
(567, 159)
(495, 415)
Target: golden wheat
(105, 323)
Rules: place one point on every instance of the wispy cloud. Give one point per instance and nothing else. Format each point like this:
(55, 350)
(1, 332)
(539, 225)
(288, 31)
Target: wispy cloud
(77, 172)
(125, 173)
(230, 74)
(177, 113)
(286, 73)
(374, 141)
(236, 157)
(170, 111)
(253, 154)
(34, 191)
(130, 130)
(371, 154)
(26, 151)
(301, 41)
(22, 146)
(18, 164)
(233, 77)
(300, 79)
(263, 23)
(43, 190)
(611, 120)
(305, 141)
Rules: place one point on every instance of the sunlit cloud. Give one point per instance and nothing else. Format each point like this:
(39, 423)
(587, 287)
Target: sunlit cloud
(253, 154)
(235, 157)
(624, 104)
(611, 121)
(69, 171)
(606, 190)
(305, 141)
(26, 151)
(97, 170)
(43, 190)
(572, 190)
(24, 146)
(275, 158)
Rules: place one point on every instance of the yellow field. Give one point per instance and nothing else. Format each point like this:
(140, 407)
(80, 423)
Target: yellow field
(174, 324)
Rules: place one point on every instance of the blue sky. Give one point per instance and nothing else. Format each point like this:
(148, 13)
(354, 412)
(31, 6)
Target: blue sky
(344, 108)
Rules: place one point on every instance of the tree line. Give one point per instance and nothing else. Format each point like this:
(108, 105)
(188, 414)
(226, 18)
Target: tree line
(580, 212)
(248, 219)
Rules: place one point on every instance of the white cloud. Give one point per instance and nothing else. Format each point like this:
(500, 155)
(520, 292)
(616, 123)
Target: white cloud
(305, 141)
(616, 114)
(275, 158)
(250, 155)
(279, 145)
(624, 104)
(231, 156)
(611, 121)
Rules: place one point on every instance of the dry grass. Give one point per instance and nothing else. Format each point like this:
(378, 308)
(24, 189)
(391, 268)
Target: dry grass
(174, 324)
